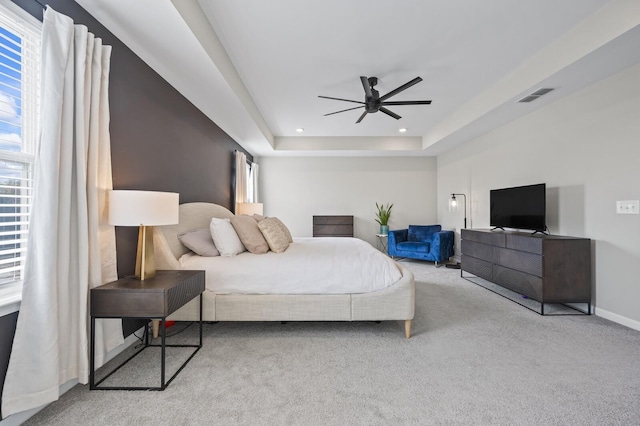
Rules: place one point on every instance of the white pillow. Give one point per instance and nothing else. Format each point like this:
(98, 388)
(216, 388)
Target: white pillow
(225, 237)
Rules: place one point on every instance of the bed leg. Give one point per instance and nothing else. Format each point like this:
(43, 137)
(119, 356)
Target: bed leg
(407, 329)
(155, 325)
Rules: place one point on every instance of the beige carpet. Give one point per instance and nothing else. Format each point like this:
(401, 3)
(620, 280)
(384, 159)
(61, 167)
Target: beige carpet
(474, 358)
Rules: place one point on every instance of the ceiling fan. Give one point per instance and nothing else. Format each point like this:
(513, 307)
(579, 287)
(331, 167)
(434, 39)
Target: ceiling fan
(373, 102)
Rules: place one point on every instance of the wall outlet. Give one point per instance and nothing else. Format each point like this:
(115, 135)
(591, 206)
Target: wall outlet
(628, 207)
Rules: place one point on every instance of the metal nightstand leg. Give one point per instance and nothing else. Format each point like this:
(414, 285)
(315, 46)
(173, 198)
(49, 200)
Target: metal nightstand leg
(163, 353)
(163, 346)
(92, 356)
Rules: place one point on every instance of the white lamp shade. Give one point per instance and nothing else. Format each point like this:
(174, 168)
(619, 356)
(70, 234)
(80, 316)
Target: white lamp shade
(148, 208)
(249, 208)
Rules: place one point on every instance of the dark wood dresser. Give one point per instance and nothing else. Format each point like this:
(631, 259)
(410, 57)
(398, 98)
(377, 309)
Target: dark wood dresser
(545, 268)
(333, 226)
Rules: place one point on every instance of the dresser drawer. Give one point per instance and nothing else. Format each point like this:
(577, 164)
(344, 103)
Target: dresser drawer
(486, 237)
(520, 282)
(333, 220)
(527, 243)
(519, 260)
(477, 267)
(192, 286)
(478, 250)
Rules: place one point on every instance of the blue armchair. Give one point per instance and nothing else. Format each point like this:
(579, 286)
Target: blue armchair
(421, 242)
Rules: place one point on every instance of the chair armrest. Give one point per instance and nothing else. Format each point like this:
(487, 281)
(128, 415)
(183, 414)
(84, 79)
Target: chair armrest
(397, 236)
(442, 245)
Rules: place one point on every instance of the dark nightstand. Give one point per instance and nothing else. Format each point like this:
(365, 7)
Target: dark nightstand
(154, 298)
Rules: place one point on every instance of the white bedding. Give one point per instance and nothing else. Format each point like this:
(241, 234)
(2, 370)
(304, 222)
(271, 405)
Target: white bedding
(308, 266)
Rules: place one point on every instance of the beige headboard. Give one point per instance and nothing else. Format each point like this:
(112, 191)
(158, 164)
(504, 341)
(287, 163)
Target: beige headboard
(168, 248)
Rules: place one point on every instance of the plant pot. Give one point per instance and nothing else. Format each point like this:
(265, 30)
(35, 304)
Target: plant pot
(384, 229)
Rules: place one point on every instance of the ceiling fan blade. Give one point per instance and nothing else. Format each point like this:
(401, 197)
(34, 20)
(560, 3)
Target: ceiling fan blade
(361, 117)
(389, 113)
(348, 109)
(401, 88)
(367, 88)
(407, 103)
(340, 99)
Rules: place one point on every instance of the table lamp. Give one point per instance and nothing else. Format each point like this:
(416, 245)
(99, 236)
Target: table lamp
(145, 209)
(249, 208)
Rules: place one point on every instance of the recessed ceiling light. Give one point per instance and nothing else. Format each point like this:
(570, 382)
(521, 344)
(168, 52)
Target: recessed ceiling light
(402, 130)
(299, 130)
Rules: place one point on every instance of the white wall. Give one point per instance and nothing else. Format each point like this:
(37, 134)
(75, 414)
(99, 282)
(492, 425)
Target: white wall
(296, 189)
(586, 148)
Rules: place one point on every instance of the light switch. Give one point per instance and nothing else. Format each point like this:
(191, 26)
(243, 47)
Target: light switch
(628, 207)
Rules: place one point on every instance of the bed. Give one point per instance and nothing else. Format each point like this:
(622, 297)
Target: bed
(394, 302)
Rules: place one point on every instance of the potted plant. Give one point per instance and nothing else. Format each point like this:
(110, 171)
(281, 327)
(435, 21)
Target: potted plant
(382, 217)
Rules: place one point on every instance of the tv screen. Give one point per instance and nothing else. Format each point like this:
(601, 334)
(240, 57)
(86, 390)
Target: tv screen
(521, 207)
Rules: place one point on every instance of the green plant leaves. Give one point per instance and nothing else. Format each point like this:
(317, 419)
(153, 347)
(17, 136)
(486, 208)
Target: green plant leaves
(383, 213)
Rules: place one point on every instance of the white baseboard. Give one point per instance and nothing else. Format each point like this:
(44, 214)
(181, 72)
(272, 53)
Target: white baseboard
(627, 322)
(19, 418)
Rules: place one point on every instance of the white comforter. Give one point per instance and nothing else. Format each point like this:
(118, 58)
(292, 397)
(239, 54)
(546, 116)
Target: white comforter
(308, 266)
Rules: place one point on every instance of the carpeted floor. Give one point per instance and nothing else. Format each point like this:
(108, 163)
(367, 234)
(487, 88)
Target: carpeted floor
(474, 358)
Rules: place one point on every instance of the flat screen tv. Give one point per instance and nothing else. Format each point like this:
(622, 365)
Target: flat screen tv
(521, 207)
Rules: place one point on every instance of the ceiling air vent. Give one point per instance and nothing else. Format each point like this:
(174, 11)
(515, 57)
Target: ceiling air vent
(535, 95)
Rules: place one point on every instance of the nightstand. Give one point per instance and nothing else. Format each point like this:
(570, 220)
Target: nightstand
(154, 298)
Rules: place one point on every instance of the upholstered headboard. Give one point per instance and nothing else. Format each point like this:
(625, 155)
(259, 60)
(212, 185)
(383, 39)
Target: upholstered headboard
(168, 248)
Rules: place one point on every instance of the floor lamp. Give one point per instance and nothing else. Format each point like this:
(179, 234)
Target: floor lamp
(453, 206)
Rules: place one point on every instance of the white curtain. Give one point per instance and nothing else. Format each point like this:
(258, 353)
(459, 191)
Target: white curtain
(71, 248)
(253, 176)
(246, 180)
(242, 178)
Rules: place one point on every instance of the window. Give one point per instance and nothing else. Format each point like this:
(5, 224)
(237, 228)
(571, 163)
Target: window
(19, 121)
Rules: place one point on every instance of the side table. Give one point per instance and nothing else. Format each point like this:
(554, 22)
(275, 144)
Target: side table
(154, 298)
(382, 242)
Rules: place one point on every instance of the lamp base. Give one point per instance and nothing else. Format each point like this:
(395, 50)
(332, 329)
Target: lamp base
(145, 258)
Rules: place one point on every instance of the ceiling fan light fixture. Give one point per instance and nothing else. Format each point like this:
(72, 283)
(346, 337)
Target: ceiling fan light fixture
(373, 102)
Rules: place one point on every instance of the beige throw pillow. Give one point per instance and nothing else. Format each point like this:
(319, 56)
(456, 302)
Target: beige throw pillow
(199, 242)
(273, 233)
(247, 229)
(284, 229)
(225, 237)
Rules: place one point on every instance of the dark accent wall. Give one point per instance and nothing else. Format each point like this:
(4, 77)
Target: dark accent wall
(159, 141)
(7, 330)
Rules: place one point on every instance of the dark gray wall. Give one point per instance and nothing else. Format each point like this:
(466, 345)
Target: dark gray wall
(159, 141)
(7, 330)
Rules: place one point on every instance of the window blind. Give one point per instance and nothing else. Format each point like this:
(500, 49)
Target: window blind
(19, 121)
